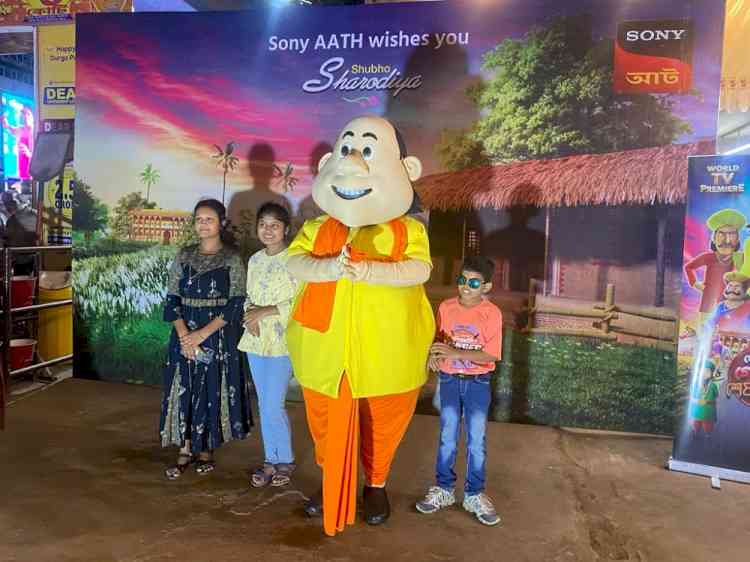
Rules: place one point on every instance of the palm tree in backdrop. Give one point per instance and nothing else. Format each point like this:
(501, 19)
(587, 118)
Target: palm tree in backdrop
(227, 161)
(286, 176)
(149, 176)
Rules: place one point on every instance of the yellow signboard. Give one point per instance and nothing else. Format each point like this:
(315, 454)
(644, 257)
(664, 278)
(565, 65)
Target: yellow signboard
(735, 73)
(57, 220)
(57, 71)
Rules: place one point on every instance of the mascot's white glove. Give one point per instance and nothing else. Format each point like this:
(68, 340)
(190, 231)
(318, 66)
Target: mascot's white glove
(310, 269)
(395, 274)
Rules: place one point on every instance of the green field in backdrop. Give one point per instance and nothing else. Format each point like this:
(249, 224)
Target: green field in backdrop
(558, 380)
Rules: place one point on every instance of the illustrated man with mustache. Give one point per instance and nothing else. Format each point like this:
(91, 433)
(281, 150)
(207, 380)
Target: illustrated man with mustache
(362, 326)
(734, 309)
(723, 258)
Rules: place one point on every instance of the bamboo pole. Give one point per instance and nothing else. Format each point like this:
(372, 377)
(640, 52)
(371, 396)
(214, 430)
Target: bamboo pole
(632, 310)
(609, 306)
(661, 235)
(581, 333)
(641, 335)
(573, 311)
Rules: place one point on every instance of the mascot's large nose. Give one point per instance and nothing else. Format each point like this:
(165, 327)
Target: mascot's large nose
(353, 163)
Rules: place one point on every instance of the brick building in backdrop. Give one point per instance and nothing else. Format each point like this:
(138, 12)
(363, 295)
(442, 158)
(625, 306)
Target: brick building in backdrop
(158, 225)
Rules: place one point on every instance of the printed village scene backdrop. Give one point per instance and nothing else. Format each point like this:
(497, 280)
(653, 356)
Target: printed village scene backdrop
(554, 137)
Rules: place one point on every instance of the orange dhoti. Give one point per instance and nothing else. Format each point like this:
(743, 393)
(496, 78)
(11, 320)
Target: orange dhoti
(343, 427)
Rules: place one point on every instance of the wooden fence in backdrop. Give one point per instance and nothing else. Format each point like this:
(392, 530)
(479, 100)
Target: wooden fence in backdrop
(655, 327)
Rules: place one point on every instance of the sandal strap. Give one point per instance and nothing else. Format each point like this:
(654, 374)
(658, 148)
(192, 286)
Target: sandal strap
(205, 466)
(280, 479)
(266, 471)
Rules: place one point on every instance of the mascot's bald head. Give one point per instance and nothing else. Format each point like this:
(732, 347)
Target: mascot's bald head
(367, 178)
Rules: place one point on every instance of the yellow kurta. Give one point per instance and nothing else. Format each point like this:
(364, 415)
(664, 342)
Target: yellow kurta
(379, 335)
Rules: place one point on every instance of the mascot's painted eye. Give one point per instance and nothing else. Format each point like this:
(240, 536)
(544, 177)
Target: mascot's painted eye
(368, 152)
(345, 149)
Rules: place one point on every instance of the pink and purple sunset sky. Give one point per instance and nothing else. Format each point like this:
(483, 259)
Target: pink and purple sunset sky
(162, 89)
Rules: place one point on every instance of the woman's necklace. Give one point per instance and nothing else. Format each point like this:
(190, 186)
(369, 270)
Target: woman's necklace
(191, 277)
(198, 272)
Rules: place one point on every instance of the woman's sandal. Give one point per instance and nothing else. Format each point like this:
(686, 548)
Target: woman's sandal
(205, 466)
(262, 476)
(184, 460)
(283, 475)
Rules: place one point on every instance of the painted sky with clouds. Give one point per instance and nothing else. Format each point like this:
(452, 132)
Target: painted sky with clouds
(164, 88)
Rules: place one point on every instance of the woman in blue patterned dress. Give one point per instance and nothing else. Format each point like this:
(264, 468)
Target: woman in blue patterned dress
(205, 397)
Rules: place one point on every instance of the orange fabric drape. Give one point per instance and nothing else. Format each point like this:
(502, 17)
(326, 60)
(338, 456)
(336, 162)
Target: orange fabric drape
(315, 306)
(383, 422)
(336, 426)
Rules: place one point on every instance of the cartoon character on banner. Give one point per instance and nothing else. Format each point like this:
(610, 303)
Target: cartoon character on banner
(362, 326)
(725, 351)
(729, 322)
(703, 400)
(738, 377)
(724, 256)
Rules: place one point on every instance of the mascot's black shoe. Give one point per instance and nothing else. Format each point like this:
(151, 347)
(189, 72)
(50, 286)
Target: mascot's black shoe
(314, 506)
(377, 508)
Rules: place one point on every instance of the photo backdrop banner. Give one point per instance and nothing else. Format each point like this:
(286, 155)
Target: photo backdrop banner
(530, 157)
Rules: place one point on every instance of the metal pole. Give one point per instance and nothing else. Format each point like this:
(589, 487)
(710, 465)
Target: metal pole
(43, 364)
(8, 321)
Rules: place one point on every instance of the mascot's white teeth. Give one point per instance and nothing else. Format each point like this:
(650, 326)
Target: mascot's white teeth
(350, 193)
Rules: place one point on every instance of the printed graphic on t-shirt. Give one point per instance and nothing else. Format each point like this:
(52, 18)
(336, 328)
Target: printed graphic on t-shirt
(464, 336)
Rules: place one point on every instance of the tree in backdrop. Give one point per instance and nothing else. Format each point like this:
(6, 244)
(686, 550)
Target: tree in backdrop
(550, 96)
(149, 176)
(286, 176)
(227, 161)
(120, 220)
(89, 213)
(457, 150)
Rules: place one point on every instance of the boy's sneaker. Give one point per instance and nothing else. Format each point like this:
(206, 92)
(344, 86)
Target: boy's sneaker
(437, 498)
(481, 505)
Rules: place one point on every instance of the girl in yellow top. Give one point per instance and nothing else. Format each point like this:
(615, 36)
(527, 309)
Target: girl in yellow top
(270, 290)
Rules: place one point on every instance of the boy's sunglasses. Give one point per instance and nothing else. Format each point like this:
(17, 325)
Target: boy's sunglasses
(473, 283)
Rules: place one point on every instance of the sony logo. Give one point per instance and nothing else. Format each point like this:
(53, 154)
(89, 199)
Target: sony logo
(654, 34)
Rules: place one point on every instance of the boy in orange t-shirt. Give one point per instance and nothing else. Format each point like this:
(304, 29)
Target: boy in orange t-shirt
(470, 336)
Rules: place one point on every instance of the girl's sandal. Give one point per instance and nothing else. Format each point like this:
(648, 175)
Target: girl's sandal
(184, 460)
(283, 475)
(262, 476)
(205, 466)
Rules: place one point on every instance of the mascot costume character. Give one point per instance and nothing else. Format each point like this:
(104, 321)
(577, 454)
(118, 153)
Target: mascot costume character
(361, 326)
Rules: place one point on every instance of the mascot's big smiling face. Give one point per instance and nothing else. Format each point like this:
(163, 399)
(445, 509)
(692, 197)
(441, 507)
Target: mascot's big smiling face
(365, 180)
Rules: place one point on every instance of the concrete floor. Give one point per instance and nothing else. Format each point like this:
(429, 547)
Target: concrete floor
(81, 480)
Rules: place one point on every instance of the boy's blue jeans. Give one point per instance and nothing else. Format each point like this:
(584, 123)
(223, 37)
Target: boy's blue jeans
(467, 397)
(271, 376)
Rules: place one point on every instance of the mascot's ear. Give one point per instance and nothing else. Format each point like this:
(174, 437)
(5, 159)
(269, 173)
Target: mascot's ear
(413, 167)
(323, 160)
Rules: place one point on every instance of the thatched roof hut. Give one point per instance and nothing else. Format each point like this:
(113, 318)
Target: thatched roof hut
(643, 177)
(635, 177)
